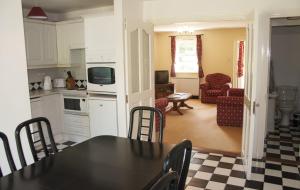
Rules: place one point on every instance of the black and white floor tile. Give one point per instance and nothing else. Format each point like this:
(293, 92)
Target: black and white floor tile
(60, 146)
(218, 172)
(283, 143)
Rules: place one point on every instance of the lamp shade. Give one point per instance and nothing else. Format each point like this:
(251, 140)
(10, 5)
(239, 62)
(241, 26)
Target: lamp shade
(37, 13)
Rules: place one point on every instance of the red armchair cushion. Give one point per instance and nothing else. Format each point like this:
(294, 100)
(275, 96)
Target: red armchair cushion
(160, 104)
(214, 92)
(236, 92)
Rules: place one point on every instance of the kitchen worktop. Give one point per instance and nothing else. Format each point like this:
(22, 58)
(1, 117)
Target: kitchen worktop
(64, 91)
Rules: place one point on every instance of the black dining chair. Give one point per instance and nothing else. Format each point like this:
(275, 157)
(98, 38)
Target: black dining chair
(146, 130)
(34, 129)
(178, 159)
(8, 154)
(168, 181)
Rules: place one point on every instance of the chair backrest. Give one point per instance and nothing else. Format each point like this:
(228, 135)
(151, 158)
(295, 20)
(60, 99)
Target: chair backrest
(33, 129)
(7, 153)
(217, 79)
(178, 160)
(168, 181)
(146, 130)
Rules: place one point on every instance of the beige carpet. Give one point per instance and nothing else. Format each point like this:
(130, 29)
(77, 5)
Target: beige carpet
(200, 126)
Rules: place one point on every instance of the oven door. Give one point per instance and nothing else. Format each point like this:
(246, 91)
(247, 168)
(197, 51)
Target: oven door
(101, 78)
(72, 105)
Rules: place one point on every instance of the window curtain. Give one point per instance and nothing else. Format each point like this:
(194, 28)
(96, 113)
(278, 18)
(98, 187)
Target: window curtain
(199, 56)
(173, 55)
(241, 59)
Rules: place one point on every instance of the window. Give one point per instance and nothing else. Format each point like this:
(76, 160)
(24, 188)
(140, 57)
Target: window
(186, 56)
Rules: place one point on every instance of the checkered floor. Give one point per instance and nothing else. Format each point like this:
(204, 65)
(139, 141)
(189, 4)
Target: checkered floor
(283, 143)
(217, 172)
(60, 147)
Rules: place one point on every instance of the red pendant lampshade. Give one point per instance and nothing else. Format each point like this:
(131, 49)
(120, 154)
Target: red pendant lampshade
(37, 13)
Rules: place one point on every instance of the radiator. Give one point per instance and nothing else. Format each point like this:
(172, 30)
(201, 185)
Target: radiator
(190, 85)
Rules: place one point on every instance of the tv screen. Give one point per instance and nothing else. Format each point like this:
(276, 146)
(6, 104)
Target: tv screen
(162, 77)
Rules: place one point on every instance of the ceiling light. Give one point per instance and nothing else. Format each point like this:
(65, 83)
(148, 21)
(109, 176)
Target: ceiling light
(37, 13)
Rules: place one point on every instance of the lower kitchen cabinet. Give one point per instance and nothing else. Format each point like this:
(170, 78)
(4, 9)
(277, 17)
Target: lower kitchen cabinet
(103, 116)
(76, 127)
(50, 107)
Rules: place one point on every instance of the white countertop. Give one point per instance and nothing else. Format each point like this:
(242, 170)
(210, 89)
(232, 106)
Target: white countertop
(64, 91)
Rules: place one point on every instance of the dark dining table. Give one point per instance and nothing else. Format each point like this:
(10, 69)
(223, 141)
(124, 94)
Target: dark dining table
(100, 163)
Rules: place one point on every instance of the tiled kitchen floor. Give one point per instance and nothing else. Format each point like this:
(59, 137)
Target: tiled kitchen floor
(217, 172)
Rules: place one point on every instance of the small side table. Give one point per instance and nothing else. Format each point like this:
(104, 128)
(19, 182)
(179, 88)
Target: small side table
(178, 100)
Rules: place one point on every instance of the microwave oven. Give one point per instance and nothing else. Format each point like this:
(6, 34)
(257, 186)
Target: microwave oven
(101, 78)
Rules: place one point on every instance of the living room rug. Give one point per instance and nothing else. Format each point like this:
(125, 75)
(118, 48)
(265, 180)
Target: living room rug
(200, 126)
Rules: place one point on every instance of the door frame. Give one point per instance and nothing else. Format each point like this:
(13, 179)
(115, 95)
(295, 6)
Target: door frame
(264, 57)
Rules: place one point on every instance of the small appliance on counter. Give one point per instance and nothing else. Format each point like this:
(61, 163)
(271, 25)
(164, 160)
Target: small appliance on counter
(59, 83)
(47, 83)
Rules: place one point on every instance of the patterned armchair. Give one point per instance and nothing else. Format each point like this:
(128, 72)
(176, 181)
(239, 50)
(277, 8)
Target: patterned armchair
(216, 85)
(230, 108)
(160, 104)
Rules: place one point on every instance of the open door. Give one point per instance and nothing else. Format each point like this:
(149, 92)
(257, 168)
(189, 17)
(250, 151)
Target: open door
(138, 38)
(248, 123)
(256, 89)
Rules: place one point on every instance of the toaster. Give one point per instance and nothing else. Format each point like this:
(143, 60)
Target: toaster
(59, 83)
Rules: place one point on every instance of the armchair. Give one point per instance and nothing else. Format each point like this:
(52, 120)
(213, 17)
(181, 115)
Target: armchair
(160, 104)
(230, 108)
(216, 85)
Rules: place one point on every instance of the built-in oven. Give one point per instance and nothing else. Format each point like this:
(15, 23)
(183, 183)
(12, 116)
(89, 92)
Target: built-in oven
(75, 105)
(101, 78)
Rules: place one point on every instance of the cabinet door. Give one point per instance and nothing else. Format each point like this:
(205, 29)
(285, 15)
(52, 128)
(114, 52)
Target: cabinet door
(62, 45)
(34, 43)
(50, 47)
(100, 38)
(103, 117)
(53, 110)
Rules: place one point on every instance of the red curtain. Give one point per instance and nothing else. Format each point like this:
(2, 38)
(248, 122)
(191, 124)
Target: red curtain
(173, 54)
(199, 55)
(241, 59)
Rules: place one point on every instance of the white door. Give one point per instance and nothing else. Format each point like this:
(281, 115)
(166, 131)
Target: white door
(248, 123)
(138, 57)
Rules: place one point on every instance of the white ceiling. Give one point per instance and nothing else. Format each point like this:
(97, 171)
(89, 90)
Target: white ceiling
(199, 26)
(61, 6)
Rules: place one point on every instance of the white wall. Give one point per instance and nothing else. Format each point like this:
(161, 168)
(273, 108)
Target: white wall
(169, 11)
(14, 101)
(285, 47)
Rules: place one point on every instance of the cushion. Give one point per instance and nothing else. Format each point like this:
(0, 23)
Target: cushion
(214, 92)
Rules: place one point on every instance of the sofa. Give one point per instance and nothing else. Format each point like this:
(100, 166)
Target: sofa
(230, 108)
(160, 104)
(216, 85)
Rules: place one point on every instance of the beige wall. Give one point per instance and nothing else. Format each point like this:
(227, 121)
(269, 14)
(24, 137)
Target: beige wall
(219, 50)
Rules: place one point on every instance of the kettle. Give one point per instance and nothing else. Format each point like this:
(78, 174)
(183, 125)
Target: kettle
(47, 83)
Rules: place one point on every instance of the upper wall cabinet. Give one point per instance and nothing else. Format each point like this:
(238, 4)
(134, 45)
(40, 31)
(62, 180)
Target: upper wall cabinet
(100, 38)
(70, 36)
(41, 47)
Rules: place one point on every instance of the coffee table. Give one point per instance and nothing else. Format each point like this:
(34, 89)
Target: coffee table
(178, 100)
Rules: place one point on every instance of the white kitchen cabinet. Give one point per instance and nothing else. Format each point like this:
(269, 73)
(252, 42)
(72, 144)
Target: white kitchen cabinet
(53, 111)
(41, 48)
(50, 107)
(76, 127)
(103, 116)
(99, 32)
(70, 36)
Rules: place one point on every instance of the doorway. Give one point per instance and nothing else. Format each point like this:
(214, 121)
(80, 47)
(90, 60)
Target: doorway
(220, 48)
(282, 136)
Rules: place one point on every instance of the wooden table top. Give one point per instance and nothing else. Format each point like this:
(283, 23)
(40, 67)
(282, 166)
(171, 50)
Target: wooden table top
(179, 96)
(104, 162)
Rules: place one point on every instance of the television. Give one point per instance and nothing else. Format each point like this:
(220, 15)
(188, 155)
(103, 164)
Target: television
(162, 77)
